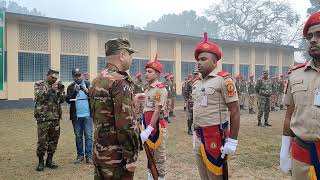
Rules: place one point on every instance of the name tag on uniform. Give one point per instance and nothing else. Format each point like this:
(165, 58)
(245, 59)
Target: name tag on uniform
(204, 101)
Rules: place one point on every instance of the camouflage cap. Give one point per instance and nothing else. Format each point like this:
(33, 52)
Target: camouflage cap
(54, 72)
(113, 45)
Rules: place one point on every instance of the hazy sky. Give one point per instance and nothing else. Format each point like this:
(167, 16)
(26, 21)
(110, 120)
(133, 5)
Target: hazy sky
(120, 12)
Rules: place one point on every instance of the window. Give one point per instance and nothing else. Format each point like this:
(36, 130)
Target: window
(245, 70)
(285, 70)
(69, 62)
(168, 67)
(101, 64)
(187, 68)
(259, 69)
(137, 65)
(32, 66)
(228, 68)
(273, 71)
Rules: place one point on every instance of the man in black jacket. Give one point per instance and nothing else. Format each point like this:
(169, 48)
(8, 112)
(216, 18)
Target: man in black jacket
(78, 98)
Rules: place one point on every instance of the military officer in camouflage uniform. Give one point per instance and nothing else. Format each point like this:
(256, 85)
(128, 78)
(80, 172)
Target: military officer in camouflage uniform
(264, 91)
(188, 94)
(174, 95)
(184, 85)
(168, 86)
(281, 84)
(48, 96)
(251, 84)
(116, 139)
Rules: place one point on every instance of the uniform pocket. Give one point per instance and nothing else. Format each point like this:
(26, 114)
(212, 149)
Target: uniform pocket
(210, 90)
(299, 91)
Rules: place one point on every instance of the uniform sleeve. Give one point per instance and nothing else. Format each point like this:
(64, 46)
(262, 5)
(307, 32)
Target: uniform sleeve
(229, 91)
(288, 98)
(161, 97)
(128, 139)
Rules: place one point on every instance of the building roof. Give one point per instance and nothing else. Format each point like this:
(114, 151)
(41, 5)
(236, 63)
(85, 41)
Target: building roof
(70, 23)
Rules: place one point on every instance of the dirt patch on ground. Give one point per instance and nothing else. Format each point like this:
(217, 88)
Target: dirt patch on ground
(256, 157)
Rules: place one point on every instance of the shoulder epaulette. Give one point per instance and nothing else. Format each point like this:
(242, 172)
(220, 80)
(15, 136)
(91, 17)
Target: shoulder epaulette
(160, 85)
(296, 67)
(223, 74)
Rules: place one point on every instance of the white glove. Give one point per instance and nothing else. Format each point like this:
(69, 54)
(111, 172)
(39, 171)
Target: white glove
(285, 159)
(146, 133)
(229, 147)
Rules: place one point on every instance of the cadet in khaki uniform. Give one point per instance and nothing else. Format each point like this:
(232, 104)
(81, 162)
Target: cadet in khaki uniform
(213, 95)
(153, 120)
(116, 139)
(301, 131)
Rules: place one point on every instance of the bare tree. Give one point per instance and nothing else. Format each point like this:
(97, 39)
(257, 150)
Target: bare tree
(256, 20)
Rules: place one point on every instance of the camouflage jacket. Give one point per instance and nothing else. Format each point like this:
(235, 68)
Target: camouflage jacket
(237, 84)
(47, 102)
(281, 86)
(168, 86)
(251, 87)
(243, 87)
(115, 136)
(264, 87)
(138, 87)
(188, 91)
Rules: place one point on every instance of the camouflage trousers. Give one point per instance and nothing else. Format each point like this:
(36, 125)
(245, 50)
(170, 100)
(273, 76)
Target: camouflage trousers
(280, 99)
(168, 107)
(112, 173)
(251, 101)
(274, 100)
(159, 154)
(48, 137)
(242, 99)
(173, 101)
(189, 114)
(263, 107)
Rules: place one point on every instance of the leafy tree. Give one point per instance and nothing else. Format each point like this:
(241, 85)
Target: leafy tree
(187, 23)
(256, 20)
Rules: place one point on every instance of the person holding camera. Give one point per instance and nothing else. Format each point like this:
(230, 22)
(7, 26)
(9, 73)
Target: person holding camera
(78, 98)
(48, 96)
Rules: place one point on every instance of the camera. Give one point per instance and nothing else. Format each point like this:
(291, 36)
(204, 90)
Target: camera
(60, 86)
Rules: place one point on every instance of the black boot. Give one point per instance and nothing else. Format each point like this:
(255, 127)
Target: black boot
(259, 123)
(281, 107)
(266, 123)
(272, 108)
(241, 107)
(190, 131)
(40, 166)
(250, 111)
(184, 108)
(49, 163)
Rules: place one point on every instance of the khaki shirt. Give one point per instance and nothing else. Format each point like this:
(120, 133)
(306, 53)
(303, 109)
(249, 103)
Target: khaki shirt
(219, 91)
(156, 94)
(300, 92)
